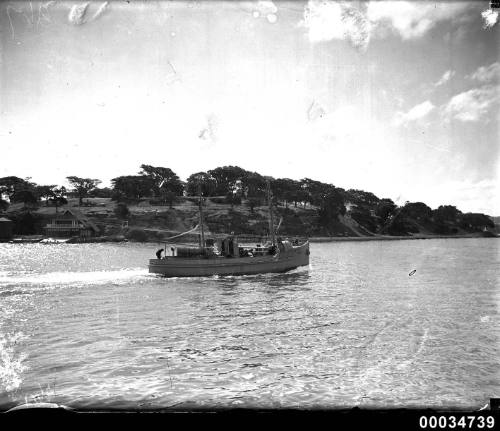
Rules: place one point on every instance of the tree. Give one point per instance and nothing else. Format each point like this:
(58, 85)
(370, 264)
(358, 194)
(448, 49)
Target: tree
(104, 192)
(121, 210)
(169, 197)
(361, 198)
(363, 216)
(253, 185)
(331, 206)
(3, 205)
(446, 213)
(132, 187)
(232, 199)
(203, 180)
(476, 221)
(58, 197)
(44, 192)
(287, 190)
(315, 191)
(417, 210)
(254, 202)
(385, 209)
(163, 178)
(25, 196)
(83, 186)
(11, 185)
(227, 179)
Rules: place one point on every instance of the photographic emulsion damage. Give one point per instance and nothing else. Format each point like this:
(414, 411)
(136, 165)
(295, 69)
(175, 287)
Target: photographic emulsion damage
(257, 205)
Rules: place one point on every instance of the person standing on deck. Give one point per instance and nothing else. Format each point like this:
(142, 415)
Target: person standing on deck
(158, 253)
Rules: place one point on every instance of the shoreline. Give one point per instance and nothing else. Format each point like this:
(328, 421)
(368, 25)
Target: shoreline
(394, 238)
(320, 239)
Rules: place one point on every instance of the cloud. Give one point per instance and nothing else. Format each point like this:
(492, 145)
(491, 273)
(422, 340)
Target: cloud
(472, 105)
(326, 21)
(445, 78)
(413, 19)
(467, 195)
(357, 23)
(487, 73)
(490, 18)
(416, 113)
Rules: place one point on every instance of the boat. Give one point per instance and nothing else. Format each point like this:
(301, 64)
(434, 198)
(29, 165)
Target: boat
(54, 240)
(225, 256)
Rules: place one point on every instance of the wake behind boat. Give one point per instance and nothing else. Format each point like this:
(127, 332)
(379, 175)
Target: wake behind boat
(227, 257)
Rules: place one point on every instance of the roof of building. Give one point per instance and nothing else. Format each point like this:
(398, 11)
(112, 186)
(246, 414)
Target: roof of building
(5, 219)
(81, 218)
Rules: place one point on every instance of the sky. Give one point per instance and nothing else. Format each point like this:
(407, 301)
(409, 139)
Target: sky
(397, 98)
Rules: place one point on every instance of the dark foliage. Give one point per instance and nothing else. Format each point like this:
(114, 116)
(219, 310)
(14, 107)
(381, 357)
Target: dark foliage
(121, 210)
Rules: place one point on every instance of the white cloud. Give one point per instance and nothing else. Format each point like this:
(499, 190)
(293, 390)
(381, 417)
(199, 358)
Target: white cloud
(327, 20)
(413, 19)
(416, 113)
(490, 18)
(445, 78)
(472, 105)
(487, 73)
(467, 195)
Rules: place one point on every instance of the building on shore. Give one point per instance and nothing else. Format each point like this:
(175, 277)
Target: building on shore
(6, 229)
(71, 223)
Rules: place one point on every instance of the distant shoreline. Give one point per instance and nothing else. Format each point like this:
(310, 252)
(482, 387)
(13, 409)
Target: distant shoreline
(393, 238)
(319, 239)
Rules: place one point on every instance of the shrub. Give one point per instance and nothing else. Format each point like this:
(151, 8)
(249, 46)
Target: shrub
(218, 200)
(232, 199)
(136, 235)
(121, 210)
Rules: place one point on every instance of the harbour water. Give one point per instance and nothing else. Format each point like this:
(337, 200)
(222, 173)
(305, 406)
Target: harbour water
(86, 326)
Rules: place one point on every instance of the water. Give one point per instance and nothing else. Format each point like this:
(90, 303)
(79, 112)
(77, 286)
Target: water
(88, 327)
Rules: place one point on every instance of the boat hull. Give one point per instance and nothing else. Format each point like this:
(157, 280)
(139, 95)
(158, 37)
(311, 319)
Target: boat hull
(203, 267)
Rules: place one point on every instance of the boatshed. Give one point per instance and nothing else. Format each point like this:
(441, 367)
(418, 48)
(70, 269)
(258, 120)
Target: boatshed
(6, 229)
(71, 223)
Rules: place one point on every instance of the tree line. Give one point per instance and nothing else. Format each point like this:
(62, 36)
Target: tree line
(234, 185)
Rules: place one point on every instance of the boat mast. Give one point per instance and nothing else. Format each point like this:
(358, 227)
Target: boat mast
(202, 244)
(271, 218)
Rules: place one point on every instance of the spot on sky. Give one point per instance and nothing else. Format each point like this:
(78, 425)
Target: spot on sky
(272, 18)
(77, 14)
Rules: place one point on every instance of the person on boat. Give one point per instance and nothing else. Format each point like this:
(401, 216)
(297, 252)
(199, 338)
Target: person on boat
(158, 253)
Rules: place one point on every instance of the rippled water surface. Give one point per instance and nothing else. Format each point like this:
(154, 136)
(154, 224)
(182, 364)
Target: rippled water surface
(88, 327)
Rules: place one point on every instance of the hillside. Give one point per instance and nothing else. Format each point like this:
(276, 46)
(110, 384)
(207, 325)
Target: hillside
(147, 222)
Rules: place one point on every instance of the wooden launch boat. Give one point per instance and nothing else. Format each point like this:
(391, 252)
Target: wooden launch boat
(282, 258)
(227, 257)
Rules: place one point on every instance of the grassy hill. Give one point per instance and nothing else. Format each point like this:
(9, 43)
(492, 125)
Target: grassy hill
(147, 222)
